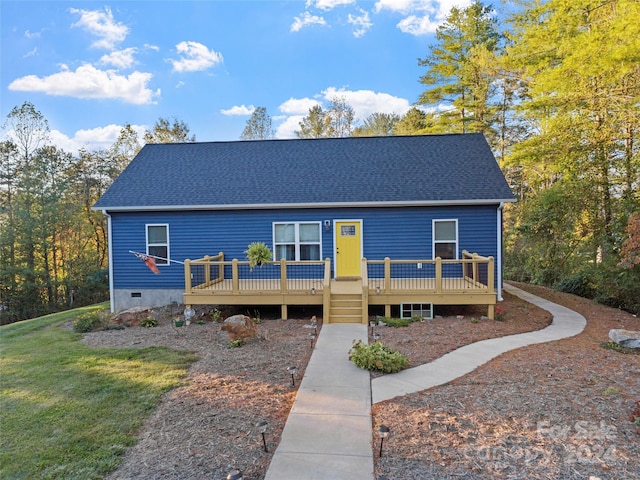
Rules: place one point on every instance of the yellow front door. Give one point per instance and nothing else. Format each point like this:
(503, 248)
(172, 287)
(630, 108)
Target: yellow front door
(348, 248)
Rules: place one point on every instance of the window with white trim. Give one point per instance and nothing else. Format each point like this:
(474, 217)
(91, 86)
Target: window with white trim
(158, 242)
(445, 239)
(297, 241)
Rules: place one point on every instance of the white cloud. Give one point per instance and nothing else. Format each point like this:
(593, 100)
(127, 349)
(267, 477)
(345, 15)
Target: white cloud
(99, 138)
(287, 129)
(305, 20)
(89, 82)
(121, 58)
(195, 57)
(361, 22)
(421, 16)
(329, 4)
(295, 106)
(102, 25)
(31, 53)
(29, 34)
(366, 102)
(239, 110)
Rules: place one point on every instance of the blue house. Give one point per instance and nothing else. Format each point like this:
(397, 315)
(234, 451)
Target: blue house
(403, 223)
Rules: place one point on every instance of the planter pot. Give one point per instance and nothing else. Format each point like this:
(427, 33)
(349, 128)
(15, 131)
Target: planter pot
(179, 323)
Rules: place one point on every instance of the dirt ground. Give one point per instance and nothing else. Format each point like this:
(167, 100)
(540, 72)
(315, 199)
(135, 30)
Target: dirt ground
(548, 411)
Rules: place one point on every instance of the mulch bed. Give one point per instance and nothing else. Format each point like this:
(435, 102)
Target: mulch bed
(554, 410)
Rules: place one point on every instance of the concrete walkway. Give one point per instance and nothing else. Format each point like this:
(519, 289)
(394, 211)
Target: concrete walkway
(328, 433)
(566, 323)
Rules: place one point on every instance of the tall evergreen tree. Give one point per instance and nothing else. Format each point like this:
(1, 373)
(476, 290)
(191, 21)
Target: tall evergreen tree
(461, 70)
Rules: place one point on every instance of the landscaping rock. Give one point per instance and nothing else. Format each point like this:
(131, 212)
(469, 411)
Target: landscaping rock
(131, 317)
(240, 327)
(625, 338)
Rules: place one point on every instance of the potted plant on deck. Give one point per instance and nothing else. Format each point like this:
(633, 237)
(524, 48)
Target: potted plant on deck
(258, 253)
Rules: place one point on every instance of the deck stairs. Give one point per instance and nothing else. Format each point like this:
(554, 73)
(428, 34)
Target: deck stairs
(346, 301)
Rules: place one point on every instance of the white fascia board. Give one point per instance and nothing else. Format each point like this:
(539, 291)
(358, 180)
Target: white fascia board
(280, 206)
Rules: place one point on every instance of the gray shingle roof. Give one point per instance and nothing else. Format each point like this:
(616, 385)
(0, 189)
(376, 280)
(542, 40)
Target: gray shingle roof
(430, 169)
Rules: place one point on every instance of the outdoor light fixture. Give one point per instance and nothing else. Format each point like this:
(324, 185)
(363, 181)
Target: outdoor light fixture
(383, 432)
(313, 290)
(378, 289)
(292, 370)
(262, 428)
(235, 474)
(312, 337)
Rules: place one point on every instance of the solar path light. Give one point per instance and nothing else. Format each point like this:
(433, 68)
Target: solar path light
(262, 428)
(383, 432)
(292, 370)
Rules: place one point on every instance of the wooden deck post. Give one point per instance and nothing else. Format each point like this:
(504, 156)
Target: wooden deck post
(387, 275)
(438, 279)
(235, 280)
(187, 275)
(365, 292)
(207, 270)
(221, 266)
(326, 292)
(283, 276)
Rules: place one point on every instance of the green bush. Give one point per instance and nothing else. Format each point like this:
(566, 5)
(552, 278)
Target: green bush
(149, 322)
(401, 322)
(580, 284)
(377, 356)
(89, 322)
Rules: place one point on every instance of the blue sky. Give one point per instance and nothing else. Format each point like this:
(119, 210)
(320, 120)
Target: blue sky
(92, 67)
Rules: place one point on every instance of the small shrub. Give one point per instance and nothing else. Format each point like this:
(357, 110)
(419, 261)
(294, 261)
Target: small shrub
(377, 356)
(89, 322)
(238, 342)
(474, 320)
(500, 314)
(217, 315)
(401, 322)
(149, 322)
(616, 347)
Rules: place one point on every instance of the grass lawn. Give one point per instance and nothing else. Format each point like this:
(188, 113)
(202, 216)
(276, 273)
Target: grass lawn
(68, 411)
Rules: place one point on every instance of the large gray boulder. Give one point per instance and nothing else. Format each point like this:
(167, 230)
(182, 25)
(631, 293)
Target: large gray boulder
(625, 338)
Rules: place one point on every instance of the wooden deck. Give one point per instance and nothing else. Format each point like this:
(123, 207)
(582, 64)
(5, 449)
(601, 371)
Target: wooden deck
(468, 281)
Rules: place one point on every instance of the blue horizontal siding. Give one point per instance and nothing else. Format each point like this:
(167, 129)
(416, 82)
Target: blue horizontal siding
(398, 233)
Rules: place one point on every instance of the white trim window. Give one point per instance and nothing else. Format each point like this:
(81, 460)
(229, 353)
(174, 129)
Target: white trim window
(445, 239)
(158, 242)
(297, 241)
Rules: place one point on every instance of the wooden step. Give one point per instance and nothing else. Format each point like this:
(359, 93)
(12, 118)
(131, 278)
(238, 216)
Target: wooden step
(345, 308)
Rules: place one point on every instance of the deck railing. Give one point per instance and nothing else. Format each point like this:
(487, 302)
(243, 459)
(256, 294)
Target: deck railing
(471, 272)
(235, 276)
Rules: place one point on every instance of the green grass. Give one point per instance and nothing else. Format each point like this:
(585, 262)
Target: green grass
(68, 411)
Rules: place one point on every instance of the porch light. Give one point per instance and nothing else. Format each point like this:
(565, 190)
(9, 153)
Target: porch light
(262, 428)
(292, 370)
(235, 474)
(377, 289)
(313, 290)
(383, 432)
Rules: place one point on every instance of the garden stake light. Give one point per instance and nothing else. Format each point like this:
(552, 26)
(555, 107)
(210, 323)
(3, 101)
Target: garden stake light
(383, 432)
(235, 474)
(262, 428)
(376, 336)
(372, 324)
(312, 337)
(292, 369)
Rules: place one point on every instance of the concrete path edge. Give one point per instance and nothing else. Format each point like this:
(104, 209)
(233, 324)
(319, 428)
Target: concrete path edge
(566, 323)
